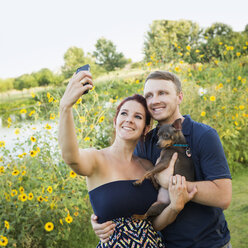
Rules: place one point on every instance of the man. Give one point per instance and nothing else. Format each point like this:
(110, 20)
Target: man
(201, 224)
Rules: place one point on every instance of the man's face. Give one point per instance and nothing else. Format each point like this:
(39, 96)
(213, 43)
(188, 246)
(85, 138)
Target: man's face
(162, 100)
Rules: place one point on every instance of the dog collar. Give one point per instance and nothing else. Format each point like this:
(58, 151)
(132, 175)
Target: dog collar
(181, 145)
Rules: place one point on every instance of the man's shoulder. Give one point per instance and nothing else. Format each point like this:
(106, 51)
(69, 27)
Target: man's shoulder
(199, 128)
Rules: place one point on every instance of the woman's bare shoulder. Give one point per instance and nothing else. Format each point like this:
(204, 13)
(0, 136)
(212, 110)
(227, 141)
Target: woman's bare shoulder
(147, 165)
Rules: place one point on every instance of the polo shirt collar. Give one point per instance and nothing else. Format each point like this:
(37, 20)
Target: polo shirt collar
(187, 123)
(155, 132)
(186, 127)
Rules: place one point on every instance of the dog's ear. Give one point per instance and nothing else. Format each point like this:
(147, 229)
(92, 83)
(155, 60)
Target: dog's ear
(177, 124)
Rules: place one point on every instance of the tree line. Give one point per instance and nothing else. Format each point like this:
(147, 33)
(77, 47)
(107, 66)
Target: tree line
(165, 41)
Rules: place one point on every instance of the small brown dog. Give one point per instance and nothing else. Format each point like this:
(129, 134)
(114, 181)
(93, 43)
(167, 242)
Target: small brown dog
(171, 140)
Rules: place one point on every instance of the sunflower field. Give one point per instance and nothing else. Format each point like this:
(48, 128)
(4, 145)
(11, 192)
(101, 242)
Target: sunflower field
(43, 203)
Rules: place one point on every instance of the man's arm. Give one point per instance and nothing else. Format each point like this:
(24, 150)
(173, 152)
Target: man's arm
(216, 193)
(104, 230)
(216, 187)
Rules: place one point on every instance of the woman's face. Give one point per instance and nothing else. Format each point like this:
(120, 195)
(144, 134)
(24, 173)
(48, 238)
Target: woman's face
(130, 122)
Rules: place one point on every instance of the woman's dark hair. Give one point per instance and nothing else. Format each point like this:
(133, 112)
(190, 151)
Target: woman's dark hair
(138, 98)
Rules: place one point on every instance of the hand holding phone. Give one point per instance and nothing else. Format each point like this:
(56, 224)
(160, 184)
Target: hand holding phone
(84, 68)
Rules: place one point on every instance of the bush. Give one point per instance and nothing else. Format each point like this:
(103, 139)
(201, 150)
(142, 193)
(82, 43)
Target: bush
(6, 84)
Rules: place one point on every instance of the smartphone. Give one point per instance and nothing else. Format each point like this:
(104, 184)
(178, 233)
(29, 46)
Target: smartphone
(84, 68)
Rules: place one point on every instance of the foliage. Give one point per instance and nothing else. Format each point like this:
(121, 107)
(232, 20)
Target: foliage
(107, 56)
(47, 77)
(170, 40)
(217, 96)
(6, 84)
(25, 81)
(74, 58)
(220, 38)
(37, 187)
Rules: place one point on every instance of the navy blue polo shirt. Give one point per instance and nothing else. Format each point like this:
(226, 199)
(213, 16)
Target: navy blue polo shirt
(196, 226)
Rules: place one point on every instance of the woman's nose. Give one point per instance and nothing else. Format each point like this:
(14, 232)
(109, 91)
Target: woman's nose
(129, 119)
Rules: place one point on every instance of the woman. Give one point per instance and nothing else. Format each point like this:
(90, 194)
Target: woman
(111, 171)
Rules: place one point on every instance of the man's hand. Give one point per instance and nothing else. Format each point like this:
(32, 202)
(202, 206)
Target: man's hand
(163, 177)
(104, 230)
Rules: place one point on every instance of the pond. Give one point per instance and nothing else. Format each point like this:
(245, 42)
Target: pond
(17, 137)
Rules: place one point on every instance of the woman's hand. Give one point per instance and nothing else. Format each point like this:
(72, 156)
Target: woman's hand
(76, 88)
(179, 195)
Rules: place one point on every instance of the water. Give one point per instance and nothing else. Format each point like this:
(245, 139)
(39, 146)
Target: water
(18, 143)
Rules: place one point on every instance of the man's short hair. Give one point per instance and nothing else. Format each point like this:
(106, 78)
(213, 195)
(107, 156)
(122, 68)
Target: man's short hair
(166, 75)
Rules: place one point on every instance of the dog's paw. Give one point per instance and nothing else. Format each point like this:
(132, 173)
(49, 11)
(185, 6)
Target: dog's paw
(139, 216)
(137, 183)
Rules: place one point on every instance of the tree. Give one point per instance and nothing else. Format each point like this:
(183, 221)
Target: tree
(6, 84)
(218, 29)
(44, 77)
(74, 58)
(246, 29)
(168, 40)
(107, 56)
(25, 81)
(216, 37)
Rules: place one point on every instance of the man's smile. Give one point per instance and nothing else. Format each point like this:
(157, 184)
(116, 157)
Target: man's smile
(158, 109)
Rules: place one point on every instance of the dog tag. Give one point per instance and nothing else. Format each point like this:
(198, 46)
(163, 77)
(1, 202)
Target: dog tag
(188, 152)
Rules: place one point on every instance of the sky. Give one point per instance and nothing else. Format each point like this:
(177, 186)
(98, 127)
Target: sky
(35, 34)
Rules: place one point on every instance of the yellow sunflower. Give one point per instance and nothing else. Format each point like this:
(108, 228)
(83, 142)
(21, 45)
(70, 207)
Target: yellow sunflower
(33, 153)
(101, 119)
(23, 197)
(21, 189)
(68, 219)
(49, 189)
(13, 192)
(6, 224)
(73, 174)
(49, 226)
(15, 172)
(48, 127)
(212, 98)
(1, 169)
(3, 241)
(30, 196)
(52, 116)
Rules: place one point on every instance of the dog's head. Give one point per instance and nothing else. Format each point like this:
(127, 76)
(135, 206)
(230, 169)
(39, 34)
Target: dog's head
(169, 134)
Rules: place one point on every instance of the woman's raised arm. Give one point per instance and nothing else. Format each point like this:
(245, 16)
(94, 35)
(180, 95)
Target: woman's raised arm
(81, 161)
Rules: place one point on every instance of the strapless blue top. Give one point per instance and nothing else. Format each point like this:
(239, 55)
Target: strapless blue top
(122, 199)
